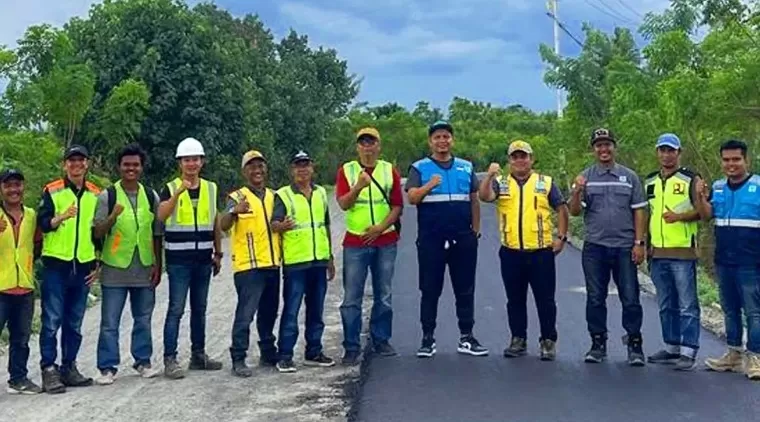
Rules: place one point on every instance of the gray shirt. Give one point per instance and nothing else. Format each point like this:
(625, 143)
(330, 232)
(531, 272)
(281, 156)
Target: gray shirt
(609, 201)
(136, 275)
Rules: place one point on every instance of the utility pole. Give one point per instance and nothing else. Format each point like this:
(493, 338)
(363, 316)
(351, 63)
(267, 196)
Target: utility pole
(555, 20)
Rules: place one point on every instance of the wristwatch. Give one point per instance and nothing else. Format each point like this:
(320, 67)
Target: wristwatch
(562, 238)
(640, 243)
(218, 255)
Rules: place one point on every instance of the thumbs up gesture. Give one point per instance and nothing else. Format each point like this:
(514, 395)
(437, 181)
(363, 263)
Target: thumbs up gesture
(117, 210)
(3, 223)
(70, 212)
(364, 179)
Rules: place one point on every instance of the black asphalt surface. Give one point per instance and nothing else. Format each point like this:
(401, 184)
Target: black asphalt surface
(454, 387)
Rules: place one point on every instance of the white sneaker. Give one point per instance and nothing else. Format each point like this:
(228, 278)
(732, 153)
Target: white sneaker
(147, 371)
(105, 378)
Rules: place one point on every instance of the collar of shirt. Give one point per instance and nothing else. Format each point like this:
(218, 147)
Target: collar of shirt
(10, 216)
(71, 185)
(298, 191)
(601, 170)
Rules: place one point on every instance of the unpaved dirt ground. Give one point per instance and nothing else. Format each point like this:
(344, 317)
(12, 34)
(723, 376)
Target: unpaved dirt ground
(311, 394)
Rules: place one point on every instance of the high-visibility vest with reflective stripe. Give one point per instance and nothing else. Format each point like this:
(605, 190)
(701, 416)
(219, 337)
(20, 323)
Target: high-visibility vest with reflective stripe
(76, 232)
(525, 214)
(17, 258)
(254, 244)
(446, 211)
(191, 228)
(737, 222)
(674, 194)
(308, 240)
(133, 229)
(370, 207)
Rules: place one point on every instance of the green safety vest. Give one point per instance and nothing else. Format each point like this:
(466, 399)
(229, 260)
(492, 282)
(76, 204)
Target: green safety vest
(370, 207)
(674, 194)
(76, 232)
(133, 229)
(308, 240)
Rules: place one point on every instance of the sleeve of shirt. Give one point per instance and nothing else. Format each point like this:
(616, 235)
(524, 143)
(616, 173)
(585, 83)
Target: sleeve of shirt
(45, 212)
(638, 198)
(555, 197)
(396, 197)
(341, 183)
(230, 205)
(165, 195)
(158, 225)
(474, 182)
(101, 211)
(279, 212)
(413, 179)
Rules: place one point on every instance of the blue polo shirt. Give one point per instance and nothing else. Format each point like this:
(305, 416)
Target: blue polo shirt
(736, 209)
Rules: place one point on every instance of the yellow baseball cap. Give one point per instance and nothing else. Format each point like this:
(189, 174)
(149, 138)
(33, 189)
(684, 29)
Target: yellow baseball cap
(250, 155)
(519, 145)
(368, 131)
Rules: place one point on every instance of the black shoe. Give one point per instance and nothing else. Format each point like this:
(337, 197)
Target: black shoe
(427, 350)
(286, 366)
(469, 345)
(240, 369)
(635, 352)
(385, 349)
(202, 362)
(664, 357)
(268, 361)
(517, 347)
(71, 377)
(350, 358)
(51, 380)
(598, 351)
(548, 350)
(320, 360)
(25, 387)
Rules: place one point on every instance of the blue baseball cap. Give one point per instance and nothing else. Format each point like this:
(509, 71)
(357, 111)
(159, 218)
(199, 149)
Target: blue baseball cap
(668, 140)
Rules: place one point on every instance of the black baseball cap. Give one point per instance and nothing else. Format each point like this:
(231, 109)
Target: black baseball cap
(300, 155)
(76, 150)
(441, 124)
(9, 174)
(602, 134)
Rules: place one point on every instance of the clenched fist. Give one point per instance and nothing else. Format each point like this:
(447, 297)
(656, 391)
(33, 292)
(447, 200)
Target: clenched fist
(70, 212)
(117, 210)
(580, 183)
(242, 207)
(494, 169)
(183, 187)
(364, 179)
(435, 180)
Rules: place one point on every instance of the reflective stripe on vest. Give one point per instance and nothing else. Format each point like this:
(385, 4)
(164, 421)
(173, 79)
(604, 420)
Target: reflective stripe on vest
(189, 219)
(308, 240)
(525, 214)
(370, 207)
(133, 230)
(17, 258)
(254, 244)
(75, 232)
(672, 194)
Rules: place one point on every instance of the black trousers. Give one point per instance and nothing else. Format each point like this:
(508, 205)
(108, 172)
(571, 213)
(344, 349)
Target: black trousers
(461, 256)
(520, 269)
(258, 295)
(16, 311)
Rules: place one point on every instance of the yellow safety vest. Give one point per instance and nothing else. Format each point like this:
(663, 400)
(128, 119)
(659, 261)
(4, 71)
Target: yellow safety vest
(254, 244)
(524, 212)
(308, 240)
(75, 232)
(133, 229)
(191, 228)
(673, 193)
(17, 268)
(370, 207)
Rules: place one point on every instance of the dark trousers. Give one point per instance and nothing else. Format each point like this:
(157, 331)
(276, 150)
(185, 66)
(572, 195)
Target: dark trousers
(520, 269)
(307, 285)
(258, 294)
(16, 311)
(599, 262)
(461, 256)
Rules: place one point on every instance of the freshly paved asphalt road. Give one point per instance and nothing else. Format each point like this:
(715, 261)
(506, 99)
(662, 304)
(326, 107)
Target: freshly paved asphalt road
(453, 387)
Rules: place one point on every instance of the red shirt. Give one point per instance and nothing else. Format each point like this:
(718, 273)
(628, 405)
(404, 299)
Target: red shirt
(396, 198)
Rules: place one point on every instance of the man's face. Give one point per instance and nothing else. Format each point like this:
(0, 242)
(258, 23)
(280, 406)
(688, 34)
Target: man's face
(441, 141)
(368, 147)
(734, 164)
(604, 150)
(130, 168)
(76, 166)
(668, 157)
(255, 172)
(12, 191)
(520, 162)
(302, 171)
(191, 166)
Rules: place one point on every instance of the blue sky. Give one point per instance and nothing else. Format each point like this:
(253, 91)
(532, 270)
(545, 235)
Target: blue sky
(411, 50)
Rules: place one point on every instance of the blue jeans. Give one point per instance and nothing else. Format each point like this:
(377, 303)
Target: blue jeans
(740, 289)
(183, 278)
(599, 262)
(141, 301)
(311, 283)
(17, 312)
(676, 282)
(357, 262)
(64, 302)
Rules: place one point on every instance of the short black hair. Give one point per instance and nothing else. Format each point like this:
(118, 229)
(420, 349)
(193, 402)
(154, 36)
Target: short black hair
(130, 150)
(734, 144)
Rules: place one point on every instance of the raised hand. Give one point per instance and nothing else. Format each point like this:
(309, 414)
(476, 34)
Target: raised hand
(3, 223)
(494, 169)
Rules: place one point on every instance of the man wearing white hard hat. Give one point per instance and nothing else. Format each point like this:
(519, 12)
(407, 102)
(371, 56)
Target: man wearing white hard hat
(192, 244)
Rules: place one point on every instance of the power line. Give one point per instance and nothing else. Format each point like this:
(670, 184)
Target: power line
(624, 4)
(610, 13)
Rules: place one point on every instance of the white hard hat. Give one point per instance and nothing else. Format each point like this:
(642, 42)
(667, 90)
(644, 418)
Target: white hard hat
(189, 147)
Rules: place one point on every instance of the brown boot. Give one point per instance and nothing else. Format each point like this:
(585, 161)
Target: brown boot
(753, 366)
(731, 361)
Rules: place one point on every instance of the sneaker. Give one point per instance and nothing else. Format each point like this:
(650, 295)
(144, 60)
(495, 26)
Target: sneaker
(385, 349)
(286, 366)
(753, 366)
(517, 347)
(24, 387)
(106, 377)
(635, 352)
(469, 345)
(427, 350)
(664, 357)
(240, 369)
(598, 351)
(146, 370)
(51, 380)
(268, 360)
(686, 363)
(71, 377)
(172, 370)
(350, 358)
(202, 362)
(320, 360)
(548, 350)
(731, 361)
